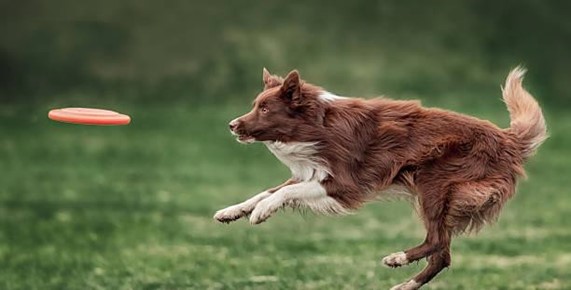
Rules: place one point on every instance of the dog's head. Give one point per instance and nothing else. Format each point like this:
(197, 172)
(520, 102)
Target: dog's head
(281, 112)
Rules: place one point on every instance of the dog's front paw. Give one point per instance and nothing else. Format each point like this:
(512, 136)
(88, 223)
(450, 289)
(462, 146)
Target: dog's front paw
(408, 285)
(229, 214)
(263, 210)
(395, 260)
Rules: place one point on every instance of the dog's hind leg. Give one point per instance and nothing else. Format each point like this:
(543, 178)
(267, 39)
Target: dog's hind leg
(437, 248)
(435, 240)
(433, 207)
(436, 263)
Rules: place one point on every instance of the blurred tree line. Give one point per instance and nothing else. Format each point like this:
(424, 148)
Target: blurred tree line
(210, 51)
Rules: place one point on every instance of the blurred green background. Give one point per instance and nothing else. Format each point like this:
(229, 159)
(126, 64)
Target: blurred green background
(130, 207)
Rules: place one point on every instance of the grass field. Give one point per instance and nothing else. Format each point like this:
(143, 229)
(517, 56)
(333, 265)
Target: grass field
(131, 208)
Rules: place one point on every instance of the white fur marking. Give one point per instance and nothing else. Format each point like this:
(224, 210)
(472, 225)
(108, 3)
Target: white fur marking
(308, 194)
(395, 259)
(329, 97)
(409, 285)
(312, 195)
(301, 160)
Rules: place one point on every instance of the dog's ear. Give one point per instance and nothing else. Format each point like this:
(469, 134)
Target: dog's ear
(291, 88)
(270, 80)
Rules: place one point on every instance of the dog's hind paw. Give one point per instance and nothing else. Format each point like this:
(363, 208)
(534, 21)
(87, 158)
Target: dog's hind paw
(408, 285)
(395, 260)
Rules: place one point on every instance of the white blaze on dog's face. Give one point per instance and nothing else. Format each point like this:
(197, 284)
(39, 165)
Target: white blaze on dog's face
(278, 112)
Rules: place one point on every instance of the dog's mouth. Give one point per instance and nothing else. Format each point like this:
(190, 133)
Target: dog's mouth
(243, 138)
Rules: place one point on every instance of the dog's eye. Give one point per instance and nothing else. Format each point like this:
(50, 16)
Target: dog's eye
(265, 110)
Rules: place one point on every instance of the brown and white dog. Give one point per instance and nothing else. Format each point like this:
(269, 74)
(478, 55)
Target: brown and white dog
(458, 170)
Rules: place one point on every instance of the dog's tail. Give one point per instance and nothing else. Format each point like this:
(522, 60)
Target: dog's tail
(526, 119)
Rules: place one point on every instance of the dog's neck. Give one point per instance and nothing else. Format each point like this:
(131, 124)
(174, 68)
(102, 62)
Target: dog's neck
(301, 158)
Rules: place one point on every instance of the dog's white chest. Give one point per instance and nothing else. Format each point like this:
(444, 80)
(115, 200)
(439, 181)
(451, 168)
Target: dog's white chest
(301, 159)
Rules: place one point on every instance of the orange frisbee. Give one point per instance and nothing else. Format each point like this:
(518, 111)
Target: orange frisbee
(89, 116)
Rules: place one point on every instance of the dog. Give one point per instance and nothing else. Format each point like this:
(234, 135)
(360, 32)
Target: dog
(457, 170)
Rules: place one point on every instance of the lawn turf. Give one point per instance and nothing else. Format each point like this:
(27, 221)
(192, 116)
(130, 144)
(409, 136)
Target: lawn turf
(131, 208)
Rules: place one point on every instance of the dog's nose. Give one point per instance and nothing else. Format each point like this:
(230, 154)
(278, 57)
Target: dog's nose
(233, 124)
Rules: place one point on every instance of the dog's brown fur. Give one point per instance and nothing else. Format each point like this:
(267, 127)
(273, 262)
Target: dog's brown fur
(460, 170)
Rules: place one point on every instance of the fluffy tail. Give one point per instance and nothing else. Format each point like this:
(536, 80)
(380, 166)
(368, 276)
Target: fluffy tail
(526, 120)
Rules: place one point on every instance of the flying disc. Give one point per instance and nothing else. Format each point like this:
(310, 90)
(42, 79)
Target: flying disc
(89, 116)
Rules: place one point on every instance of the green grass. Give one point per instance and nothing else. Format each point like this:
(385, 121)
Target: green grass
(131, 208)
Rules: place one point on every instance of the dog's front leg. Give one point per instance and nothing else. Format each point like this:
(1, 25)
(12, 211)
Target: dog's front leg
(310, 194)
(237, 211)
